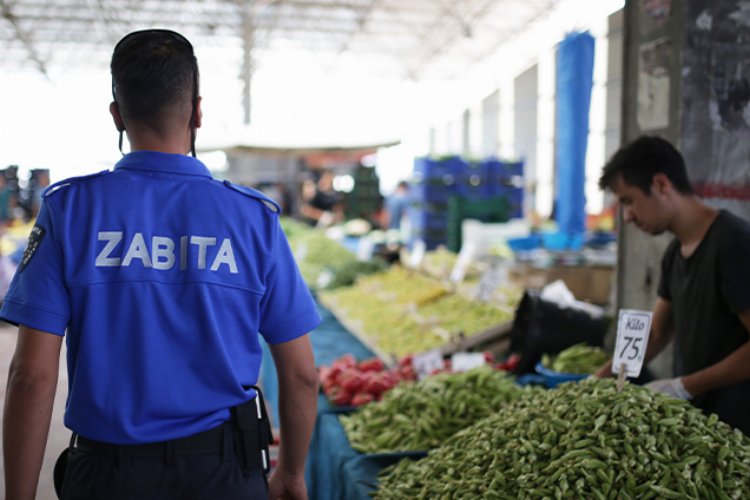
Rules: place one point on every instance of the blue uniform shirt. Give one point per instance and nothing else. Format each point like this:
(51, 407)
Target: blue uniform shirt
(163, 278)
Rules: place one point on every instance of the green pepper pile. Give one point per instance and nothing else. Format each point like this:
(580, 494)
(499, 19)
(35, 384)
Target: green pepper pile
(420, 416)
(580, 359)
(583, 440)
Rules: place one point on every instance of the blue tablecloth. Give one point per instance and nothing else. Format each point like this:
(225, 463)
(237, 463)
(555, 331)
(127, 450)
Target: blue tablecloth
(336, 471)
(329, 449)
(329, 341)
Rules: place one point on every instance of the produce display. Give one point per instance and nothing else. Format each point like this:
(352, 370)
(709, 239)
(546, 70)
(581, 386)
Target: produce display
(456, 313)
(422, 415)
(350, 383)
(581, 359)
(582, 440)
(401, 312)
(400, 286)
(293, 229)
(316, 253)
(348, 272)
(440, 262)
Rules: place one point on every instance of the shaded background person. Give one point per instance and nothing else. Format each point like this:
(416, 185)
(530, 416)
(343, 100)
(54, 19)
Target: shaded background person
(396, 205)
(5, 201)
(164, 281)
(321, 206)
(703, 302)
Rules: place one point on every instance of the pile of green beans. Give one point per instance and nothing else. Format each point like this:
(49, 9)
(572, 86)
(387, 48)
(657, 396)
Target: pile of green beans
(422, 415)
(580, 359)
(583, 440)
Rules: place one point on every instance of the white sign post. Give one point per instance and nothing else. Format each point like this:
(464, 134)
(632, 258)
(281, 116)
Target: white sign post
(633, 328)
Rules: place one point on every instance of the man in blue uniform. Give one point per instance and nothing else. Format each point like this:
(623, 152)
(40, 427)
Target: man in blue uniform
(162, 281)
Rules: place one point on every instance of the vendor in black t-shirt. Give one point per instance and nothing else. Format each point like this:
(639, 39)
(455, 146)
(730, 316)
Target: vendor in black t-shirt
(704, 292)
(321, 205)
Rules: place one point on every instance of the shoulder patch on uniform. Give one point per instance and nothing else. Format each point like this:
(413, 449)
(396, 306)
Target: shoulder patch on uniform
(35, 239)
(54, 188)
(268, 202)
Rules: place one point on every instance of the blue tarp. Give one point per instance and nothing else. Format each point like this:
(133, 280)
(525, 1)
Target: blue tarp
(329, 449)
(329, 341)
(575, 67)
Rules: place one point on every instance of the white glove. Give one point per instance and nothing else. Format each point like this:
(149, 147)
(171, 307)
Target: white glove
(671, 387)
(325, 220)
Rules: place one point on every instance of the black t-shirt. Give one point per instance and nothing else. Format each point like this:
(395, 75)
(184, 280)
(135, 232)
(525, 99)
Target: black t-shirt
(324, 200)
(707, 291)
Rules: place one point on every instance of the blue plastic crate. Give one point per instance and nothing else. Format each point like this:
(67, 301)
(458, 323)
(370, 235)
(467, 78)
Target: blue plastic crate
(474, 188)
(427, 220)
(503, 169)
(429, 206)
(525, 244)
(514, 196)
(553, 378)
(562, 241)
(433, 168)
(434, 191)
(430, 242)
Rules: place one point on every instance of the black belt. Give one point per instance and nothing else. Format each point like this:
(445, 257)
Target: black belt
(249, 429)
(209, 441)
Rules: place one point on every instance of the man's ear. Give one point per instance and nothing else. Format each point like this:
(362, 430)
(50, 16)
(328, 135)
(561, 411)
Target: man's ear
(114, 110)
(661, 184)
(198, 116)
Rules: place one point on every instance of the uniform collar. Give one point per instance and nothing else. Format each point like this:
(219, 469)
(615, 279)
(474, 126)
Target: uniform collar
(153, 161)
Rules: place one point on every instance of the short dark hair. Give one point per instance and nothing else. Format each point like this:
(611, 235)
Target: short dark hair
(643, 158)
(153, 70)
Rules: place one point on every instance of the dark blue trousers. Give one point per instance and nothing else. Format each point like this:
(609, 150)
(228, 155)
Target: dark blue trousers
(175, 476)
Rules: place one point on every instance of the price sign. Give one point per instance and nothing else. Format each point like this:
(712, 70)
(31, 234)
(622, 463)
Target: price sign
(417, 254)
(428, 362)
(462, 361)
(462, 263)
(491, 279)
(633, 328)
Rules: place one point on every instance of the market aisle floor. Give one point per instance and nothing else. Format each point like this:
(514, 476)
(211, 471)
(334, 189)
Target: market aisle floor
(59, 435)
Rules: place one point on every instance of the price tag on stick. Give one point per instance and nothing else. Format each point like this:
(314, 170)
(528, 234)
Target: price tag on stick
(465, 257)
(427, 362)
(463, 361)
(633, 328)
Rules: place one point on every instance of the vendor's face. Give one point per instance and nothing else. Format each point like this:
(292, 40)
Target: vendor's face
(647, 211)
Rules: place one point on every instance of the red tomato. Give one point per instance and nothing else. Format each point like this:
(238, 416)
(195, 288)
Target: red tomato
(339, 397)
(362, 398)
(351, 380)
(371, 365)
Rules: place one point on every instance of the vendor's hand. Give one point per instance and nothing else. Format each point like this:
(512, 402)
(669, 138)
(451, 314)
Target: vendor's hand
(671, 387)
(326, 219)
(286, 487)
(605, 371)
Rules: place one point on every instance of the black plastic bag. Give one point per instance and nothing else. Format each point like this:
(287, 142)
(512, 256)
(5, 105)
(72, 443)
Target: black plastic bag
(542, 327)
